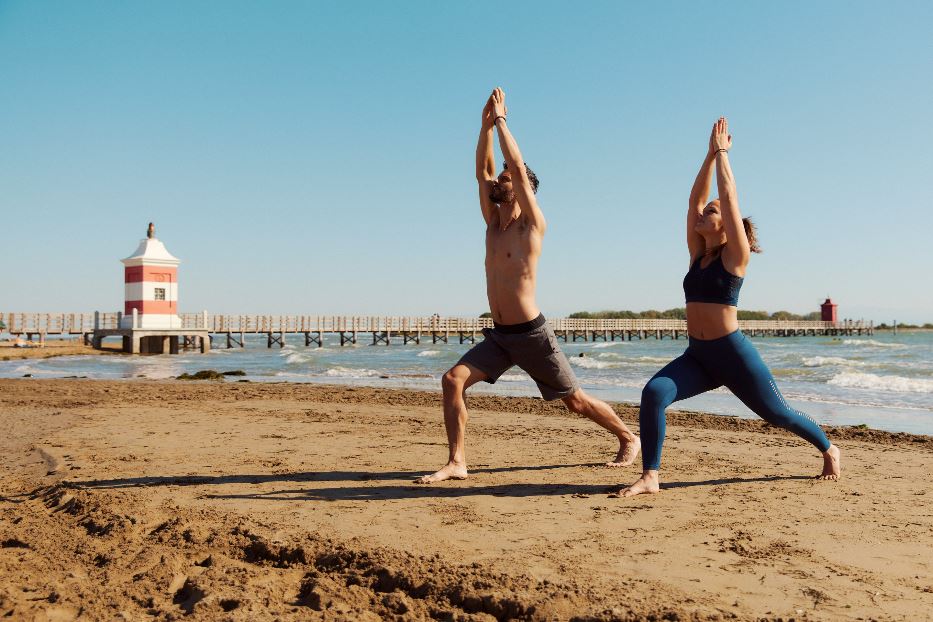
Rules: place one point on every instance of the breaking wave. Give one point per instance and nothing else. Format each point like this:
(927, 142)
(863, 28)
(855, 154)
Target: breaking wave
(871, 343)
(823, 361)
(346, 372)
(590, 363)
(894, 384)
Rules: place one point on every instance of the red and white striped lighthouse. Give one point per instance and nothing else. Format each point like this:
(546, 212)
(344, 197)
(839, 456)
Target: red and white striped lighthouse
(151, 286)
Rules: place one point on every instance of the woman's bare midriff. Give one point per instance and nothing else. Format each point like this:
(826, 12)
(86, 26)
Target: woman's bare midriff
(710, 320)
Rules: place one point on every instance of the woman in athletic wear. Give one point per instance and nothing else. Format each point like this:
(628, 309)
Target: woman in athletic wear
(720, 242)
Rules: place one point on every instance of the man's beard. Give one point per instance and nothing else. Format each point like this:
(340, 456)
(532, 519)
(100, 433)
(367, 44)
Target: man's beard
(500, 196)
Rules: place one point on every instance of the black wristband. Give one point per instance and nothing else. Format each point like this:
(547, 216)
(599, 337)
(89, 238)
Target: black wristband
(501, 116)
(717, 151)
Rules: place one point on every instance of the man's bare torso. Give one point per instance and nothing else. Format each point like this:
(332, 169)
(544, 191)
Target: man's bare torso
(511, 270)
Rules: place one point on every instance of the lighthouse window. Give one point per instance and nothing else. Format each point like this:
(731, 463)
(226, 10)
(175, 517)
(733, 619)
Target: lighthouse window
(160, 293)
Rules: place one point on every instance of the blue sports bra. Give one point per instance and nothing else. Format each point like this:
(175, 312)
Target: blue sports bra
(712, 284)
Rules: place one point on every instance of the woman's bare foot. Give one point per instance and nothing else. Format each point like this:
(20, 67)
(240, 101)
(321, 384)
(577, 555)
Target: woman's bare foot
(628, 451)
(647, 484)
(452, 470)
(832, 464)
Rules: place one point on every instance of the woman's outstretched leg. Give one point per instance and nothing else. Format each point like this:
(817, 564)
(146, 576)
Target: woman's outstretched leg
(752, 382)
(681, 378)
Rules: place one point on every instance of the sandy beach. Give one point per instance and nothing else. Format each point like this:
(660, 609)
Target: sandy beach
(238, 501)
(52, 348)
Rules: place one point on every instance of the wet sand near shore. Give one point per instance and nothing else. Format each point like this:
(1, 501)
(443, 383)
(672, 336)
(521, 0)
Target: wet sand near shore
(241, 501)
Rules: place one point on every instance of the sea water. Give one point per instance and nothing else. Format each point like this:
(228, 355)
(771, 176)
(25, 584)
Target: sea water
(884, 381)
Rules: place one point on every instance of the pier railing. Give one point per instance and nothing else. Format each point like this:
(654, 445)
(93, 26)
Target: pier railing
(397, 324)
(58, 323)
(384, 328)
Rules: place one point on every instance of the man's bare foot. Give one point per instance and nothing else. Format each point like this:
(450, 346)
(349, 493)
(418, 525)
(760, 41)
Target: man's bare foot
(832, 464)
(452, 470)
(646, 484)
(628, 451)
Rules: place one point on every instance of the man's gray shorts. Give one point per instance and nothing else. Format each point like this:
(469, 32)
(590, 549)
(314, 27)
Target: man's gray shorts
(533, 347)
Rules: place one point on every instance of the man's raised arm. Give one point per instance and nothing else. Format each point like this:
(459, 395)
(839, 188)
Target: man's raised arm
(521, 185)
(485, 162)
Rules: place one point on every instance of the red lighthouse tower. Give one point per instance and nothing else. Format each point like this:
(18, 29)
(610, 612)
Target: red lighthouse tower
(828, 311)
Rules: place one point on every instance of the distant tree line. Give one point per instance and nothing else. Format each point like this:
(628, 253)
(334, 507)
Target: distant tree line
(680, 313)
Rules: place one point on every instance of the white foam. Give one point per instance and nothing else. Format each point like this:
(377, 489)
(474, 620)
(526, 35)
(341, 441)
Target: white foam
(614, 381)
(296, 357)
(895, 384)
(653, 359)
(857, 400)
(608, 344)
(638, 359)
(590, 363)
(871, 343)
(823, 361)
(513, 377)
(430, 353)
(346, 372)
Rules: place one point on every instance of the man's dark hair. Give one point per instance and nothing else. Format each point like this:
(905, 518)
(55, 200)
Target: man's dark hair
(532, 178)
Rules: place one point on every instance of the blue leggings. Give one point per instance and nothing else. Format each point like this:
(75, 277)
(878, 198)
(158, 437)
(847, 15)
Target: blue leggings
(706, 365)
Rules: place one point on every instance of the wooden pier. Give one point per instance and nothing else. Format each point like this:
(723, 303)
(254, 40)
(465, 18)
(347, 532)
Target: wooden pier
(309, 330)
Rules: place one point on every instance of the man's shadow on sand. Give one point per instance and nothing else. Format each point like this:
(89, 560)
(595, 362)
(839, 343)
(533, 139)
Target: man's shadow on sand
(406, 490)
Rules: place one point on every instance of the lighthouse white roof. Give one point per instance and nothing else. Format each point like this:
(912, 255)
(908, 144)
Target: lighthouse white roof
(151, 251)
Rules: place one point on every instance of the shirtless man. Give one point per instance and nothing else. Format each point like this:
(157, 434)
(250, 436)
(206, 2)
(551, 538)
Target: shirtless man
(514, 231)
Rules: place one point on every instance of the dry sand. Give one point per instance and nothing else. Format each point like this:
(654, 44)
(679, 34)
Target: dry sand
(237, 501)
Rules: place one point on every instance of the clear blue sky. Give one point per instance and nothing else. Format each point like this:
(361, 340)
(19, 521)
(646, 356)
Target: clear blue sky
(318, 157)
